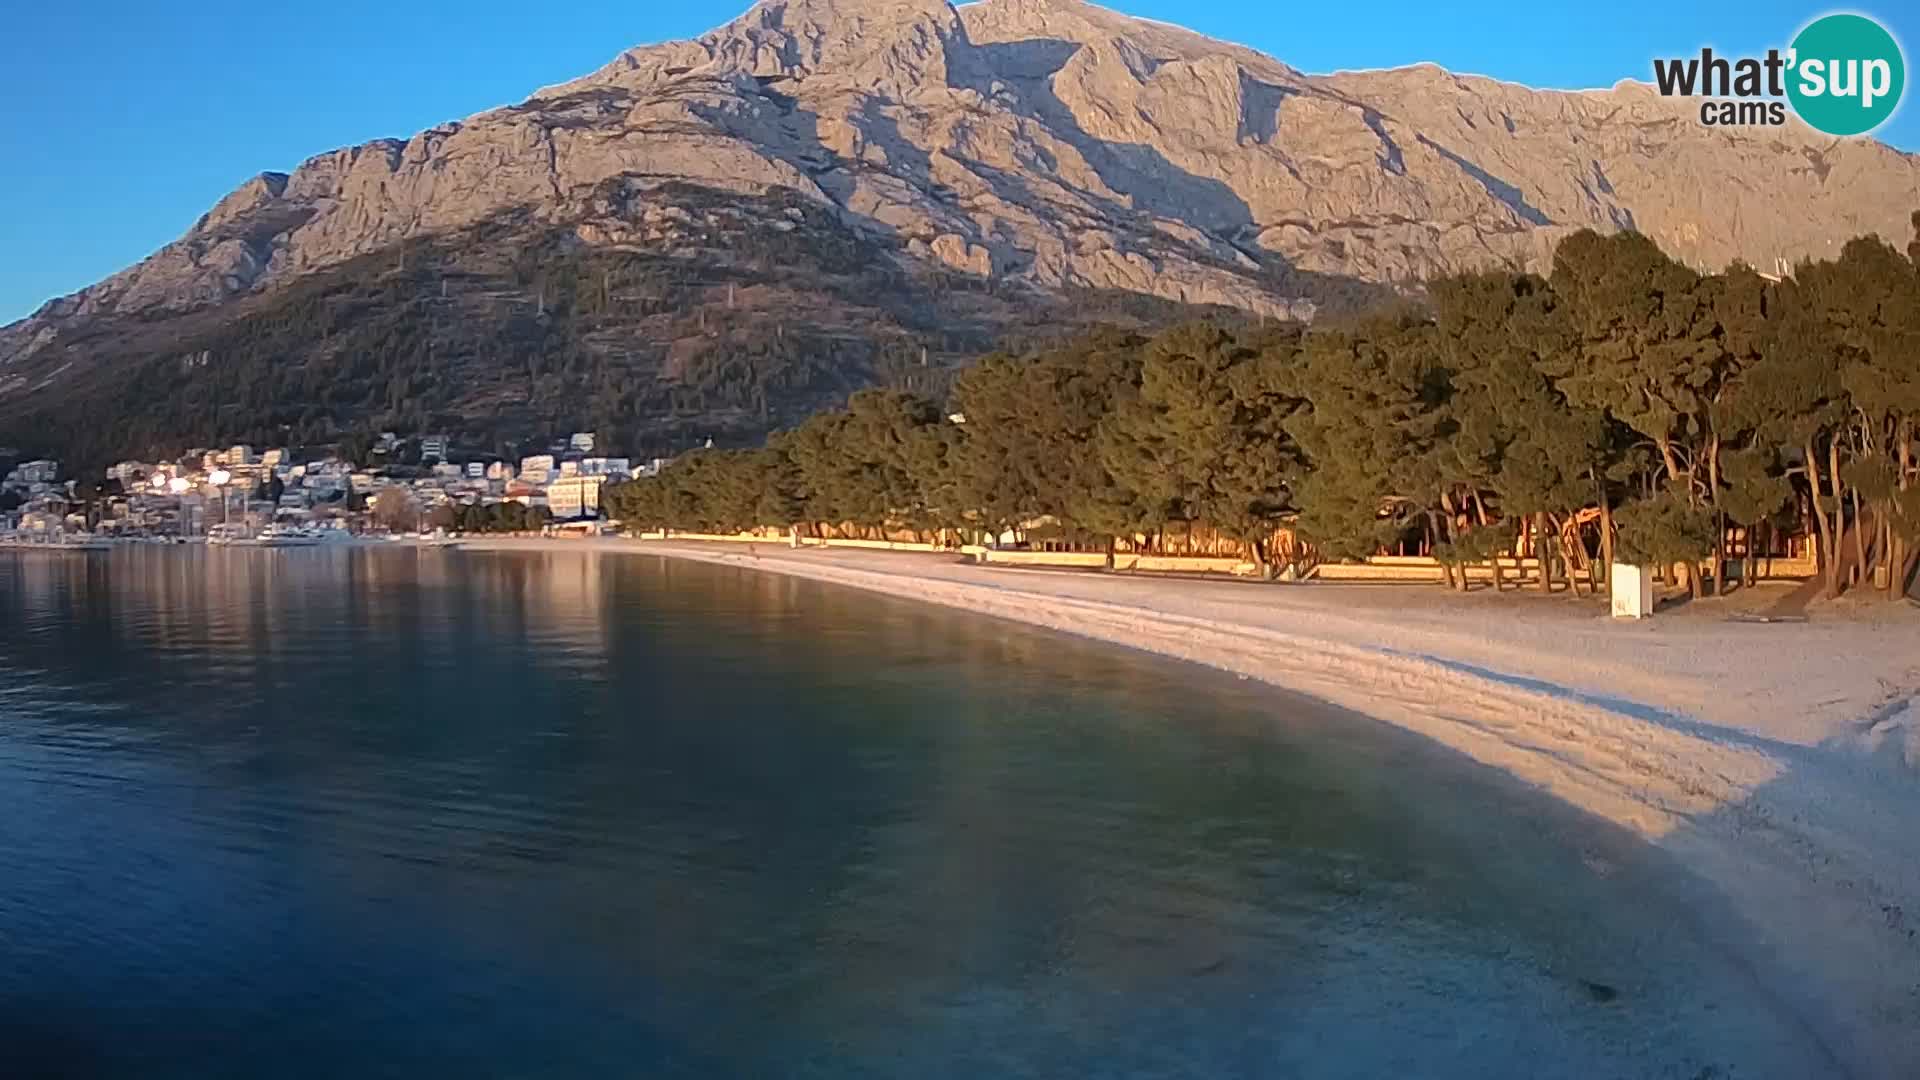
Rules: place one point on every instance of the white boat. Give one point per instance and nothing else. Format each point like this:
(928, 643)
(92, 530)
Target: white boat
(287, 536)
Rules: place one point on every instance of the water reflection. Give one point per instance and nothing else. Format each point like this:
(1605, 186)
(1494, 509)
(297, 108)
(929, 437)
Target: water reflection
(405, 812)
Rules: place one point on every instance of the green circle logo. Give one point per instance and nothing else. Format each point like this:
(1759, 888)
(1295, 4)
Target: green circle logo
(1847, 74)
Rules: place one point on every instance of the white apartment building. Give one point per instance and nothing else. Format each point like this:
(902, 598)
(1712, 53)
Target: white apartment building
(575, 497)
(536, 469)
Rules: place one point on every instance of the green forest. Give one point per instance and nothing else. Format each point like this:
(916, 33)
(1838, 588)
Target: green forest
(1659, 405)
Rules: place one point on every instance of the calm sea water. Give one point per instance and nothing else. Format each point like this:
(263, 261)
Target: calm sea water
(441, 814)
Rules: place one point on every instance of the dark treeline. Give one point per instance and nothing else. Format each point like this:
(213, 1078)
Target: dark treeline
(502, 517)
(1625, 400)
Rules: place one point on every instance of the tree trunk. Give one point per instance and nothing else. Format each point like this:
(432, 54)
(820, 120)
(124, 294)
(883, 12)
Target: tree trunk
(1433, 546)
(1260, 562)
(1883, 547)
(1606, 533)
(1602, 570)
(1493, 557)
(1719, 553)
(1573, 566)
(1543, 550)
(1718, 562)
(1839, 508)
(1672, 463)
(1829, 553)
(1860, 571)
(1898, 558)
(1450, 533)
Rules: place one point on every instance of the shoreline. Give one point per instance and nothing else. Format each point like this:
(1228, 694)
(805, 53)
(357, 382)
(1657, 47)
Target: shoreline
(1779, 764)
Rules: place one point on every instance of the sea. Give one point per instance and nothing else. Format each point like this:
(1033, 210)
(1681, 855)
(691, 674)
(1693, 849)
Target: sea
(412, 812)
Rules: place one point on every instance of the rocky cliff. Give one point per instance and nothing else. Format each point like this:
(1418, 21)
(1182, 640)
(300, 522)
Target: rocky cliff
(1049, 143)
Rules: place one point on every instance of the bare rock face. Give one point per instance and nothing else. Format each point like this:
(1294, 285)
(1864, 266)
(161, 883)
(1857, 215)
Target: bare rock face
(1060, 144)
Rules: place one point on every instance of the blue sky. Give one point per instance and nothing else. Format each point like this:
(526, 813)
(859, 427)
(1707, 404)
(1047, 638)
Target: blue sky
(122, 121)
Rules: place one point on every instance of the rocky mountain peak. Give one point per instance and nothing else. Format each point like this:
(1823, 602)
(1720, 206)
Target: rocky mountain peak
(1057, 144)
(848, 38)
(893, 46)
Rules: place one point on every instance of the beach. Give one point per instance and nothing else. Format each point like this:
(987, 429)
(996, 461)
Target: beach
(1778, 764)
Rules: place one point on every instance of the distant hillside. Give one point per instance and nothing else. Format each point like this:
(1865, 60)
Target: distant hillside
(973, 170)
(676, 315)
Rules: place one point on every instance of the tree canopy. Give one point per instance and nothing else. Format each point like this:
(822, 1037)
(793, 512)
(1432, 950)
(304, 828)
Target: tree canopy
(1624, 394)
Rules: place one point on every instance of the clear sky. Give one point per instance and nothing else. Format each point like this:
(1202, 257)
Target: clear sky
(122, 121)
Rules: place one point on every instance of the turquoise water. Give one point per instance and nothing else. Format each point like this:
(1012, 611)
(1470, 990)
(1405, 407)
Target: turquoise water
(441, 814)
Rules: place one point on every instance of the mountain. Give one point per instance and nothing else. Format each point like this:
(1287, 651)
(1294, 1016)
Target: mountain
(969, 170)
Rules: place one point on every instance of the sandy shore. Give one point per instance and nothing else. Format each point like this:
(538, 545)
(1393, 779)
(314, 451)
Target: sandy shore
(1780, 763)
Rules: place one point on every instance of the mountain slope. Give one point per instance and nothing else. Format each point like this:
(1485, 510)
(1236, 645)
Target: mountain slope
(716, 316)
(1048, 145)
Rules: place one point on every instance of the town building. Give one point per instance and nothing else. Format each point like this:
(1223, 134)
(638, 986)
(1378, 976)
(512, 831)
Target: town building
(536, 469)
(525, 493)
(31, 474)
(128, 473)
(575, 496)
(606, 466)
